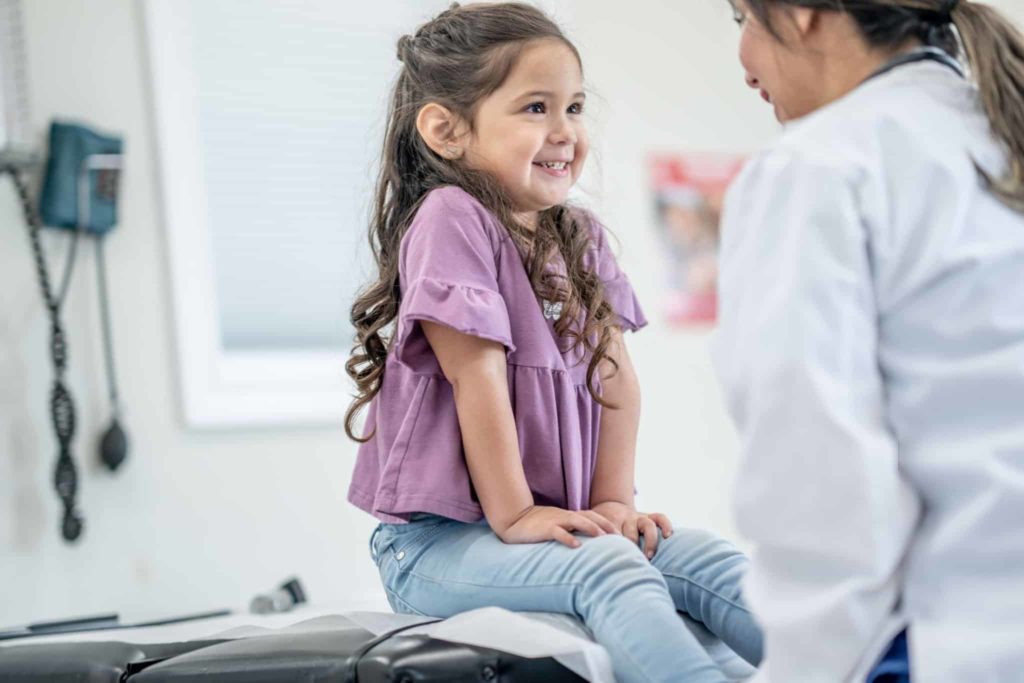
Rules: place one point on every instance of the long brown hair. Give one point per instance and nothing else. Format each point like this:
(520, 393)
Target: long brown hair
(457, 59)
(994, 51)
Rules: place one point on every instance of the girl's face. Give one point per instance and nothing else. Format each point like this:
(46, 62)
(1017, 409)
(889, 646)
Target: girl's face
(781, 69)
(529, 133)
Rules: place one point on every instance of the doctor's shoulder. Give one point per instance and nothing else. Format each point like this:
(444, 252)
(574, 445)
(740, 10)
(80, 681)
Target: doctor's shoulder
(893, 121)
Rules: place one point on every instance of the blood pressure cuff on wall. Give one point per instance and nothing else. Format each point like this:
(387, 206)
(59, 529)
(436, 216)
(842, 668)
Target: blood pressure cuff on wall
(70, 146)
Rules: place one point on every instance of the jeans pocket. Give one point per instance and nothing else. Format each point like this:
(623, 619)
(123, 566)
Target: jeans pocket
(399, 539)
(406, 549)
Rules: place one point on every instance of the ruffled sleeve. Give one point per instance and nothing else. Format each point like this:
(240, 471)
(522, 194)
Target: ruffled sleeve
(617, 289)
(449, 276)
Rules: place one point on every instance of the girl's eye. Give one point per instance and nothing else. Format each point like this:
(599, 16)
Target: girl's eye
(576, 108)
(535, 108)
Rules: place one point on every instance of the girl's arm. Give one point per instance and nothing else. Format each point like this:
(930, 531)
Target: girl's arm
(616, 449)
(477, 371)
(611, 493)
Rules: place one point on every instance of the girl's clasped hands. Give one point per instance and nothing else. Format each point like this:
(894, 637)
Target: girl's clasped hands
(540, 523)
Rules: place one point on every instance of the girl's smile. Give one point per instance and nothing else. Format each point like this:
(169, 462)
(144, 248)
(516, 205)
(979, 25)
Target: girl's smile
(559, 169)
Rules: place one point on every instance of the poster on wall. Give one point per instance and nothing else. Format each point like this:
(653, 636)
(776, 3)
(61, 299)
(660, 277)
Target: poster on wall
(688, 191)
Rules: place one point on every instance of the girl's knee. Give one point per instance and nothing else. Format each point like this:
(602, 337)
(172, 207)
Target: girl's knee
(612, 554)
(610, 546)
(610, 569)
(694, 552)
(700, 543)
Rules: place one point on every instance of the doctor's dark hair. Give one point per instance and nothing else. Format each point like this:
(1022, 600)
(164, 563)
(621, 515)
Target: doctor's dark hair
(457, 59)
(994, 50)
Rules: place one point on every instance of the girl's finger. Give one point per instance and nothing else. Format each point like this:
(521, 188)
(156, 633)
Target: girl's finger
(629, 530)
(650, 531)
(564, 537)
(663, 522)
(601, 521)
(585, 525)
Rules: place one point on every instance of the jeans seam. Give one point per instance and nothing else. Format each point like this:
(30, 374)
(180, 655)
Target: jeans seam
(406, 538)
(417, 538)
(707, 590)
(636, 667)
(626, 653)
(374, 555)
(439, 582)
(395, 595)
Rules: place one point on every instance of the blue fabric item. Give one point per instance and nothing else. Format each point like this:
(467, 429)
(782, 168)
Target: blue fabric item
(895, 665)
(440, 567)
(70, 145)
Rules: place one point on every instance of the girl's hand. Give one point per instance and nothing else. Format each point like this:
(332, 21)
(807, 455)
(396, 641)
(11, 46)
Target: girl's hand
(632, 524)
(540, 523)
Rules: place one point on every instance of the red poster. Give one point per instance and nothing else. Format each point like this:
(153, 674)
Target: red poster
(689, 190)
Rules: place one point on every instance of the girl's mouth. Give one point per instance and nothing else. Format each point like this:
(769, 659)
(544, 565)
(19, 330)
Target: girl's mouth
(766, 97)
(559, 169)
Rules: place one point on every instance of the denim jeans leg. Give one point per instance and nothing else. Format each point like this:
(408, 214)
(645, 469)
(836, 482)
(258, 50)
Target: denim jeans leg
(703, 573)
(607, 582)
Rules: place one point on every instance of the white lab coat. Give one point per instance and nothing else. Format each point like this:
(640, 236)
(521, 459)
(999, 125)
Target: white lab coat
(871, 347)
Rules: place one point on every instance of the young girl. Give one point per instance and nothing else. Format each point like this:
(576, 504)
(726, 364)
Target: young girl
(503, 410)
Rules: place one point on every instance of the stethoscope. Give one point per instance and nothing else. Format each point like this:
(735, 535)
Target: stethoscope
(924, 54)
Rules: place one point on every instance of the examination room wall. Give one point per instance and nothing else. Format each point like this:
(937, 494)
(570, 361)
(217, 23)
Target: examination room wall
(199, 520)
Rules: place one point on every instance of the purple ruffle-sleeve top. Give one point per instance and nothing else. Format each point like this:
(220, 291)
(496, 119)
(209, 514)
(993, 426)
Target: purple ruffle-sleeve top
(460, 268)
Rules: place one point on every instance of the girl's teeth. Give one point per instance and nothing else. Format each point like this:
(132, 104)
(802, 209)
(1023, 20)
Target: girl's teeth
(553, 164)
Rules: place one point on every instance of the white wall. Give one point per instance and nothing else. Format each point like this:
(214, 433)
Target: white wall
(666, 78)
(202, 520)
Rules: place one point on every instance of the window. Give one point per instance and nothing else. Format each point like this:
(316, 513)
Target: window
(269, 116)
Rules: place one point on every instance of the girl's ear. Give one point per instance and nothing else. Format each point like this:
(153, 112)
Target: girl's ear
(437, 126)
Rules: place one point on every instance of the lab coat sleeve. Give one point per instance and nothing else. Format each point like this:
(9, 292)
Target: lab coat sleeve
(819, 493)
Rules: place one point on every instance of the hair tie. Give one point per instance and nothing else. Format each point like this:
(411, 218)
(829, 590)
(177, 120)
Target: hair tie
(946, 10)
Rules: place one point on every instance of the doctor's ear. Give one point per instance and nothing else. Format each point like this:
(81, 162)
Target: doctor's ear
(442, 130)
(805, 19)
(793, 24)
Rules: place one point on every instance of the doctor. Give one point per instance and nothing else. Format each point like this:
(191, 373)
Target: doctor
(872, 341)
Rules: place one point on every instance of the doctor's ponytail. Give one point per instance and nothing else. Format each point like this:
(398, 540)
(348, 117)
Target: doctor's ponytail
(994, 50)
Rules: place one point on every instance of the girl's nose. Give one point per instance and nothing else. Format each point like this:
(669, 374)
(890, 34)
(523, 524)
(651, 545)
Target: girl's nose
(753, 82)
(563, 133)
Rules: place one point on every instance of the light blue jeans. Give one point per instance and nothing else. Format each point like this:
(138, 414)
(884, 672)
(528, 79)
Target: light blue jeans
(439, 567)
